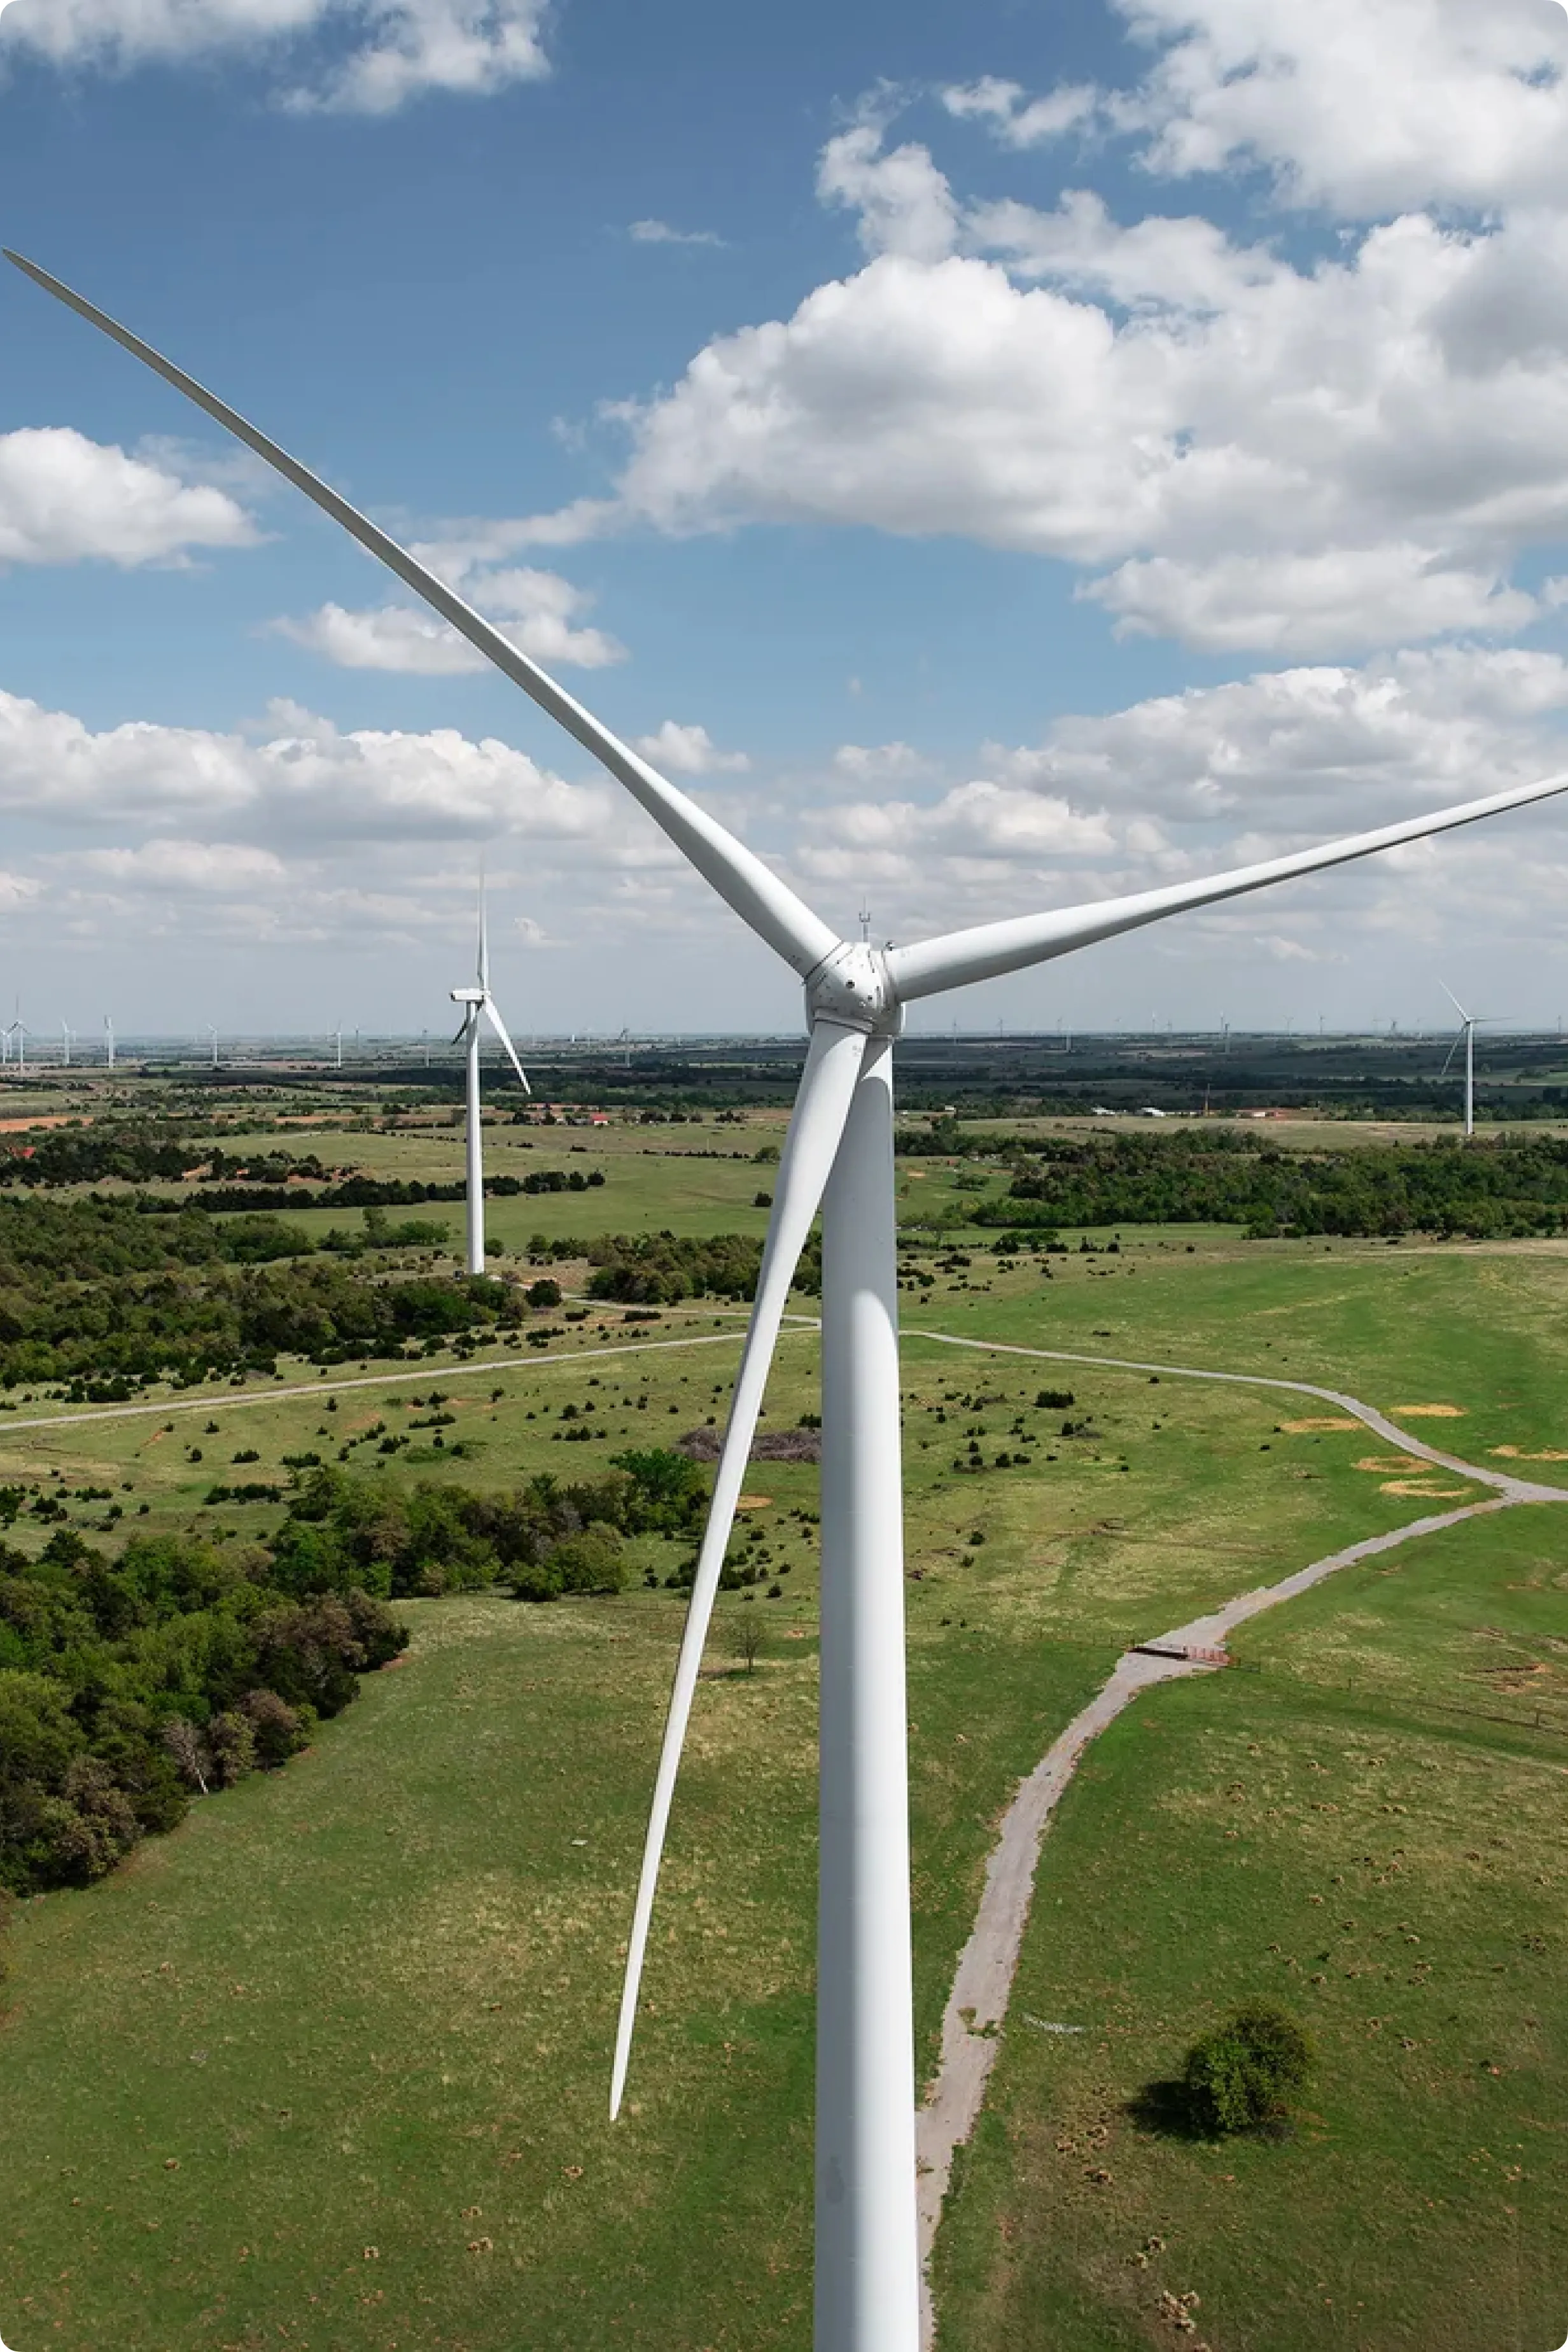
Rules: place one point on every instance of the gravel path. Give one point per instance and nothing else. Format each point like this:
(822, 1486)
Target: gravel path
(978, 2001)
(229, 1399)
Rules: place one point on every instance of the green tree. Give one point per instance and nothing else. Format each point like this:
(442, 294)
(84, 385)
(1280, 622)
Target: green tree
(1249, 2070)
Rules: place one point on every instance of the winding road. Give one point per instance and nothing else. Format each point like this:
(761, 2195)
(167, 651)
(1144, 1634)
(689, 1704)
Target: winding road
(984, 1981)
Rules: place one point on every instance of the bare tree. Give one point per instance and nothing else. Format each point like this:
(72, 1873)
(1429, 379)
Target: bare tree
(749, 1635)
(190, 1759)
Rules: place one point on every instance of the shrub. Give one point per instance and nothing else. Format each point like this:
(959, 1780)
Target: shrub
(232, 1740)
(1249, 2070)
(544, 1293)
(276, 1728)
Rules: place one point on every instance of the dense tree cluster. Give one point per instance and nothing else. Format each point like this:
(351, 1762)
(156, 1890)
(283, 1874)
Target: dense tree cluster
(1507, 1185)
(126, 1684)
(140, 1152)
(551, 1537)
(371, 1192)
(129, 1683)
(659, 1269)
(95, 1295)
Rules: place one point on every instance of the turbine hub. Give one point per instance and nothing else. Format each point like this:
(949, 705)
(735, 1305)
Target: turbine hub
(467, 996)
(851, 985)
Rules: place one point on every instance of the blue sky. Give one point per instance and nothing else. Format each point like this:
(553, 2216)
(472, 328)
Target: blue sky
(994, 456)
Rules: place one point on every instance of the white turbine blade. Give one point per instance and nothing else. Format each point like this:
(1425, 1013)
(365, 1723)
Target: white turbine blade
(995, 948)
(484, 945)
(817, 1125)
(740, 878)
(493, 1016)
(1453, 1000)
(1452, 1051)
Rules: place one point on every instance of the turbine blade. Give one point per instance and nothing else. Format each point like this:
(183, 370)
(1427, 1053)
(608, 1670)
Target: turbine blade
(994, 948)
(756, 893)
(1453, 1000)
(484, 944)
(1452, 1051)
(499, 1025)
(821, 1110)
(462, 1036)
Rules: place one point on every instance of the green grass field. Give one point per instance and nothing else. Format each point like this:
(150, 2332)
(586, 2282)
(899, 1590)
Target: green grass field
(329, 2067)
(1327, 1833)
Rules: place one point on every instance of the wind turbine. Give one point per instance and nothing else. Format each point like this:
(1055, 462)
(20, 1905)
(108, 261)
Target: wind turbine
(478, 1003)
(839, 1156)
(64, 1044)
(109, 1041)
(1470, 1023)
(211, 1033)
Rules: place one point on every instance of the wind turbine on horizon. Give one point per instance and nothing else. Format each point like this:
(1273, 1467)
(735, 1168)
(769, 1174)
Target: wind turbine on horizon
(108, 1041)
(479, 1004)
(837, 1156)
(1469, 1024)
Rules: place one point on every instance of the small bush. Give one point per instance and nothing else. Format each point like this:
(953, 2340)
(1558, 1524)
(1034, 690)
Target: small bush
(544, 1293)
(1249, 2070)
(1055, 1400)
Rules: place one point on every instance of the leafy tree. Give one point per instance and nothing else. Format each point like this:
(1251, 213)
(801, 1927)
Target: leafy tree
(1249, 2070)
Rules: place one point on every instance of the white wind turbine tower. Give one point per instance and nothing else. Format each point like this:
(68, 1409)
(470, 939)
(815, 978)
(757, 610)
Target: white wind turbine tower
(839, 1156)
(479, 1004)
(108, 1041)
(64, 1044)
(1469, 1024)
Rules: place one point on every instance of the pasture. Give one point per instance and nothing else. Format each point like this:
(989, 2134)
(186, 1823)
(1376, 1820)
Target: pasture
(329, 2064)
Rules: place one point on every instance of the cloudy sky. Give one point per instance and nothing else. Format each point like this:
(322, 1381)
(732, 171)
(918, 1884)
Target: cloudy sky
(993, 455)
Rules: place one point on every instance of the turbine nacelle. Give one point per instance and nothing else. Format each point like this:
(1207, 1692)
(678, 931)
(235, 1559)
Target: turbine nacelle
(853, 986)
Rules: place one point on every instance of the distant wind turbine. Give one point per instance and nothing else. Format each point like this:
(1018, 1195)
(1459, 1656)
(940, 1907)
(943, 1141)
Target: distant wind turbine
(479, 1004)
(837, 1156)
(109, 1041)
(64, 1044)
(1470, 1023)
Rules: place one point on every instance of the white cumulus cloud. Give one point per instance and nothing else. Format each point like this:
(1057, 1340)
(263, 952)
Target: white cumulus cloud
(537, 610)
(64, 499)
(1214, 777)
(303, 780)
(356, 55)
(1299, 457)
(689, 752)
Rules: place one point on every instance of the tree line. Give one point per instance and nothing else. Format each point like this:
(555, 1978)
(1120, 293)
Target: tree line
(131, 1684)
(1493, 1186)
